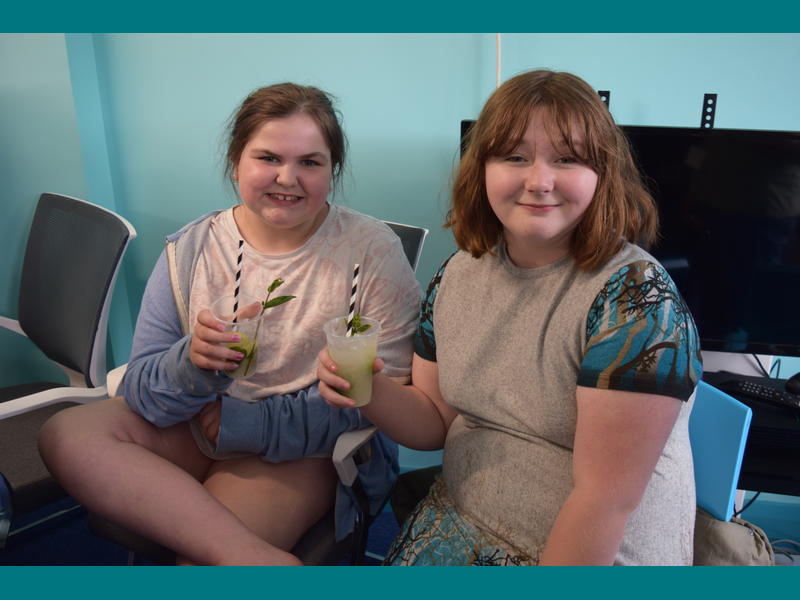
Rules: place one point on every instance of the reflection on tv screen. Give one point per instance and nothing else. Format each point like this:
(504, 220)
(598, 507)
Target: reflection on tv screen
(729, 203)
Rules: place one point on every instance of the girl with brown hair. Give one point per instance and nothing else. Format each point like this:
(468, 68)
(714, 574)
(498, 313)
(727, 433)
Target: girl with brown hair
(555, 360)
(226, 471)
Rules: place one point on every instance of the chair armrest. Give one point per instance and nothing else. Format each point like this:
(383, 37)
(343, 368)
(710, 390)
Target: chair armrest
(346, 446)
(114, 378)
(17, 406)
(11, 324)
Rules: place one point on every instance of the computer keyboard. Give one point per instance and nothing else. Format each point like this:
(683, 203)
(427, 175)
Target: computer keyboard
(764, 393)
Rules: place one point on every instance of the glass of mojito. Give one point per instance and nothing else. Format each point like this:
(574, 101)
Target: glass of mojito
(244, 321)
(354, 355)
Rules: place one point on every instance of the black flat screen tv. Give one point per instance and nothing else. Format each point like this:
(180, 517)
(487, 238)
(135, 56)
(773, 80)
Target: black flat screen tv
(729, 206)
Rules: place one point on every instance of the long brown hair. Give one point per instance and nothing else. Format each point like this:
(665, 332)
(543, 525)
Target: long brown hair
(621, 209)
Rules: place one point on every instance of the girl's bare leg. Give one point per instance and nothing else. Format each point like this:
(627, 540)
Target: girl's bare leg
(117, 464)
(277, 501)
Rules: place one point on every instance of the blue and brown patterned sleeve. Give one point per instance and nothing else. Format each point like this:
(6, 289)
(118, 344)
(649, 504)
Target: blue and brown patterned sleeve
(425, 340)
(641, 336)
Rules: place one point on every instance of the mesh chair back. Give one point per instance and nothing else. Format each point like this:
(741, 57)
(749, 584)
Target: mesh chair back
(73, 253)
(412, 238)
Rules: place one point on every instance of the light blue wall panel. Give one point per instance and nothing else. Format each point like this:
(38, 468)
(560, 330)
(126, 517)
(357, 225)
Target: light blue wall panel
(402, 97)
(789, 366)
(90, 118)
(39, 152)
(660, 79)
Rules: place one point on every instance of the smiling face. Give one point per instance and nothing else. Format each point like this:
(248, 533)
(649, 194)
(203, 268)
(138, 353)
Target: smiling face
(284, 176)
(539, 192)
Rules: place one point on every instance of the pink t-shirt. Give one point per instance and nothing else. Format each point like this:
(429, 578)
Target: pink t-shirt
(320, 274)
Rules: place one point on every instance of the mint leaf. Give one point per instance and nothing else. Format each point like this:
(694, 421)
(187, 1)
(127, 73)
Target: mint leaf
(277, 301)
(357, 325)
(267, 303)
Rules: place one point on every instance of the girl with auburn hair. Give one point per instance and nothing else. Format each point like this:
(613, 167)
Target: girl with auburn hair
(563, 408)
(621, 202)
(234, 471)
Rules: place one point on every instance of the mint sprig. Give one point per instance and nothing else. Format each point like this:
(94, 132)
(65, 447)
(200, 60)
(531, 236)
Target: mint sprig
(358, 327)
(267, 303)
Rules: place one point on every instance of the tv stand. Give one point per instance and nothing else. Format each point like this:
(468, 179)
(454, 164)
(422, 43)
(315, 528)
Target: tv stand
(772, 455)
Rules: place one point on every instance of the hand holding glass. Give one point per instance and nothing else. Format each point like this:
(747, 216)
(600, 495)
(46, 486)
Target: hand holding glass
(354, 356)
(244, 321)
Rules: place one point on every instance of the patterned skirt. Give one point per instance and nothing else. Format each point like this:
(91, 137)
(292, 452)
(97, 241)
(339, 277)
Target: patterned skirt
(436, 535)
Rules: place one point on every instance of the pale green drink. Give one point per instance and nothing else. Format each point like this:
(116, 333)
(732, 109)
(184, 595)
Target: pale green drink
(354, 356)
(245, 324)
(247, 365)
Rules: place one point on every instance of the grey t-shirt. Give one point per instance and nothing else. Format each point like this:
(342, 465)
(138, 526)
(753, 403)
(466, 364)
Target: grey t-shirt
(513, 344)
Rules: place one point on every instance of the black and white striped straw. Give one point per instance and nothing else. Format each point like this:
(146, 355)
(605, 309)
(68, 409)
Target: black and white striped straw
(352, 312)
(238, 280)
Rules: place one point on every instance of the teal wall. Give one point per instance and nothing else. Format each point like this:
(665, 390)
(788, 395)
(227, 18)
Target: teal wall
(39, 152)
(134, 122)
(168, 97)
(660, 79)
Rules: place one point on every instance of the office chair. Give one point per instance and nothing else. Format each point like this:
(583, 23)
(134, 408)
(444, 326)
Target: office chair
(412, 238)
(318, 546)
(72, 259)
